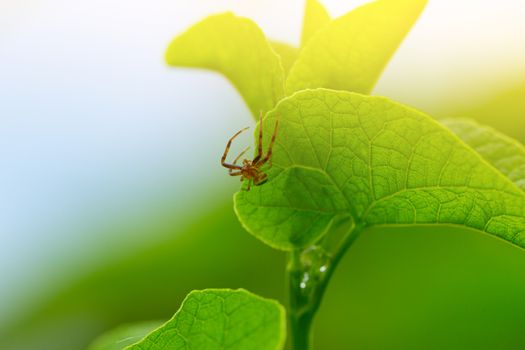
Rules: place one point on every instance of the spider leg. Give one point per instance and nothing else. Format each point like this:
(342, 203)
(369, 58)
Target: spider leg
(259, 147)
(235, 173)
(231, 166)
(238, 157)
(226, 165)
(270, 147)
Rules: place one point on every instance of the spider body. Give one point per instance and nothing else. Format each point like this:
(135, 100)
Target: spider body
(250, 169)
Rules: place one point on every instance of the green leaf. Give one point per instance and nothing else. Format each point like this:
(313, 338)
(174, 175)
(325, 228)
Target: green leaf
(221, 319)
(381, 163)
(506, 154)
(237, 48)
(315, 17)
(121, 337)
(350, 52)
(287, 52)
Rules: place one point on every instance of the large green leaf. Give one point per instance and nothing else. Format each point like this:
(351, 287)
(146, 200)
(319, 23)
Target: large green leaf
(504, 153)
(315, 17)
(350, 52)
(221, 319)
(378, 162)
(237, 48)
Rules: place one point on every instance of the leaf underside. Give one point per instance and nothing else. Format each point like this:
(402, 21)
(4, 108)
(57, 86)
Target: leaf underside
(378, 162)
(220, 319)
(237, 48)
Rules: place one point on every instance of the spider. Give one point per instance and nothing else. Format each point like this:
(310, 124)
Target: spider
(251, 169)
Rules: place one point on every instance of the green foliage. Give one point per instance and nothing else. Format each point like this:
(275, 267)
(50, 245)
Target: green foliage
(407, 284)
(344, 157)
(122, 336)
(238, 49)
(379, 163)
(220, 319)
(340, 157)
(315, 17)
(350, 52)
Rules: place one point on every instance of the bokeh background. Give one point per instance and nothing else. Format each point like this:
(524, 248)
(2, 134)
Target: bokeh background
(113, 204)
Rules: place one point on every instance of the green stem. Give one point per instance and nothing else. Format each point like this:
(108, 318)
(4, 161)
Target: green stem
(300, 317)
(307, 284)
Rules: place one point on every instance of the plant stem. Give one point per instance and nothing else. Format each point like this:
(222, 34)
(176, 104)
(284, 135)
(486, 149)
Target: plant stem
(300, 318)
(309, 272)
(300, 326)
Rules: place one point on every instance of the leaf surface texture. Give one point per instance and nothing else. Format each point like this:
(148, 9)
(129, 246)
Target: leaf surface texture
(378, 162)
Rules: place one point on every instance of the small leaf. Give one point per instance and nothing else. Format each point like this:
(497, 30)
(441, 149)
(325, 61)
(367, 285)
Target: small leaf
(350, 52)
(237, 48)
(122, 336)
(506, 154)
(315, 17)
(221, 319)
(381, 163)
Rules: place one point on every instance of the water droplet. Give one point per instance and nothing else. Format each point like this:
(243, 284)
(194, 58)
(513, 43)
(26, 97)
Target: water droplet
(304, 281)
(314, 256)
(314, 264)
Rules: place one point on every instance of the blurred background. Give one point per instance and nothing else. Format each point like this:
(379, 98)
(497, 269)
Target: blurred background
(113, 204)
